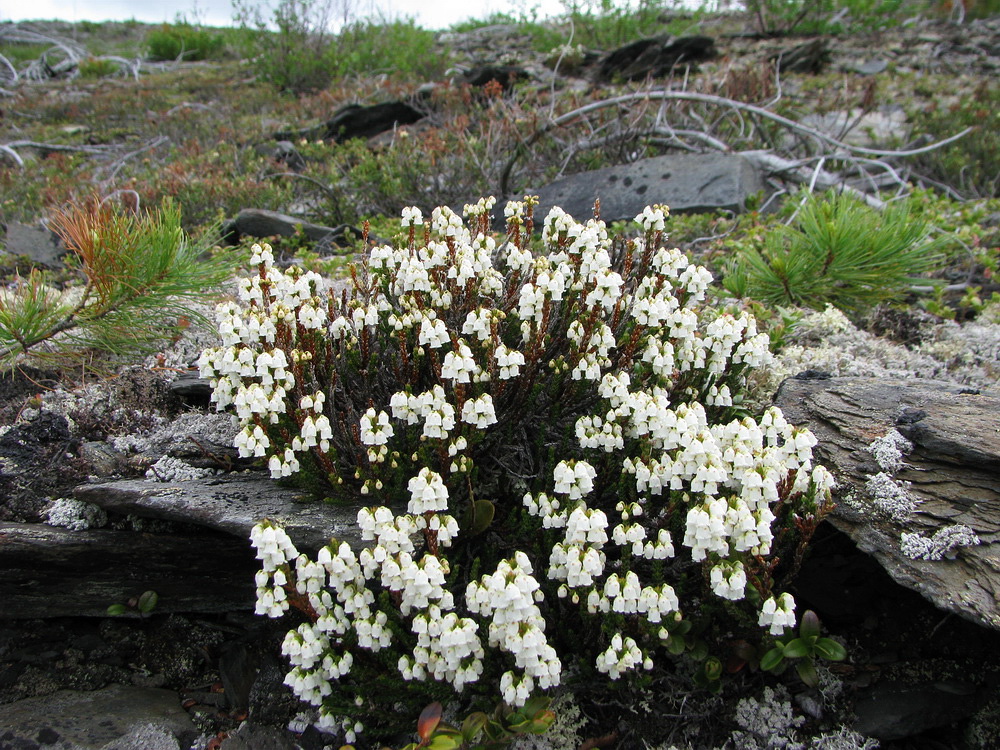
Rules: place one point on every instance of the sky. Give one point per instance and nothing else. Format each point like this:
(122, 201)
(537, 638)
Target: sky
(431, 14)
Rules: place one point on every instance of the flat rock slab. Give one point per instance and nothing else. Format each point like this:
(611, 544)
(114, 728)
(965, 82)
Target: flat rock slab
(260, 223)
(54, 572)
(231, 503)
(685, 182)
(39, 244)
(953, 473)
(115, 717)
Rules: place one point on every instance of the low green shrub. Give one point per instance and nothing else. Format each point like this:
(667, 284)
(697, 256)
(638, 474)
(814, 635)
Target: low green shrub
(556, 457)
(838, 252)
(96, 67)
(971, 165)
(182, 41)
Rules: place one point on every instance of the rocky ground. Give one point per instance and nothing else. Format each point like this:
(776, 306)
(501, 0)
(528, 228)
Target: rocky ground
(169, 512)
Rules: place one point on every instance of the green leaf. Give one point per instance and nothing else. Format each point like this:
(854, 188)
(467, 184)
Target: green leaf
(796, 649)
(444, 742)
(809, 627)
(699, 651)
(147, 602)
(116, 609)
(473, 725)
(712, 668)
(675, 645)
(772, 659)
(478, 517)
(807, 671)
(830, 650)
(536, 705)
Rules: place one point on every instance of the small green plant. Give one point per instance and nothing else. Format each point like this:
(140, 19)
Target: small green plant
(839, 251)
(299, 55)
(183, 41)
(97, 67)
(140, 274)
(971, 165)
(803, 650)
(144, 604)
(823, 16)
(481, 731)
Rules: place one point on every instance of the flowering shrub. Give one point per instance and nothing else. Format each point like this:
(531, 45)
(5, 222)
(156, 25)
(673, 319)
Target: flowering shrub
(549, 437)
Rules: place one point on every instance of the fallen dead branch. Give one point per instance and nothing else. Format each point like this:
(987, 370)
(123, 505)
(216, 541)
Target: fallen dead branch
(747, 120)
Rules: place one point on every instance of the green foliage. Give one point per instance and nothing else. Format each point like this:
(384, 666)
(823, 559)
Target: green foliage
(825, 16)
(839, 251)
(605, 24)
(143, 605)
(140, 275)
(97, 67)
(295, 50)
(399, 47)
(803, 650)
(481, 731)
(298, 55)
(971, 165)
(183, 41)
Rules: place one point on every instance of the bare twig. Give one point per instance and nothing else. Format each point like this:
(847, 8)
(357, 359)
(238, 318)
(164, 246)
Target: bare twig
(711, 99)
(12, 154)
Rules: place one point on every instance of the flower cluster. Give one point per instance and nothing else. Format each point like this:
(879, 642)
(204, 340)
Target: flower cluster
(587, 390)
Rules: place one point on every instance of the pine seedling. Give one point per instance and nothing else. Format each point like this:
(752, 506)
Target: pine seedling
(140, 276)
(840, 252)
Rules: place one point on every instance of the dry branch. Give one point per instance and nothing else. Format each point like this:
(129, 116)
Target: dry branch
(842, 151)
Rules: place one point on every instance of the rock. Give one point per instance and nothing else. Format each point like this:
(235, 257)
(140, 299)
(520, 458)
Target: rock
(655, 57)
(254, 737)
(811, 57)
(259, 222)
(890, 711)
(231, 504)
(868, 67)
(685, 182)
(110, 719)
(53, 572)
(285, 153)
(146, 737)
(356, 121)
(40, 245)
(952, 475)
(32, 464)
(192, 389)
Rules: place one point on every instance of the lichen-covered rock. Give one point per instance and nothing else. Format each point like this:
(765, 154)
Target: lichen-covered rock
(950, 478)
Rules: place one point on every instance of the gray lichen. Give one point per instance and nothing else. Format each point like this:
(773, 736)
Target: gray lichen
(889, 451)
(890, 497)
(942, 544)
(170, 469)
(75, 515)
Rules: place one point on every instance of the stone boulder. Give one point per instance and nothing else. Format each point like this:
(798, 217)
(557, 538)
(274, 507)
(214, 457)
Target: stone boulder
(231, 504)
(685, 182)
(655, 57)
(359, 121)
(948, 479)
(117, 717)
(54, 572)
(38, 244)
(259, 223)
